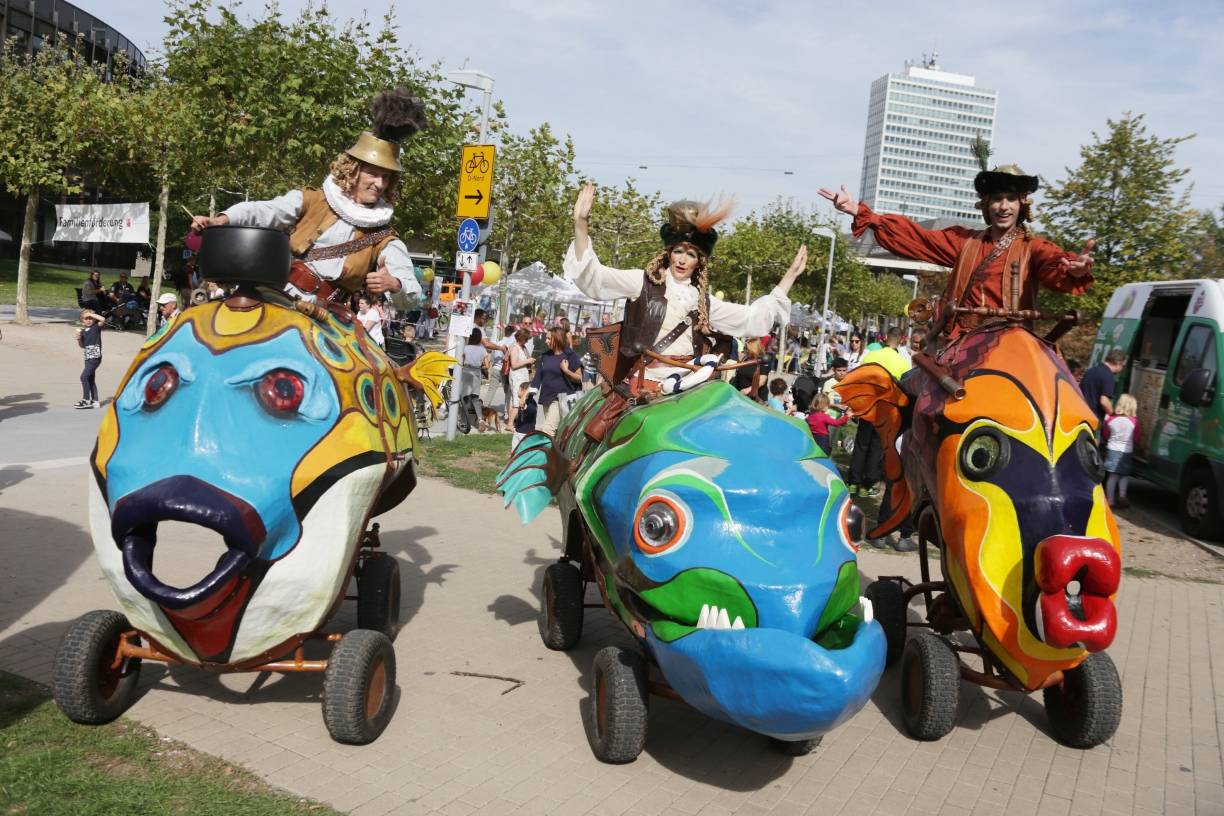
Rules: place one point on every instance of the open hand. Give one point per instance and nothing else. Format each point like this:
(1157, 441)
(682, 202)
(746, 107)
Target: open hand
(1081, 264)
(582, 207)
(797, 268)
(842, 200)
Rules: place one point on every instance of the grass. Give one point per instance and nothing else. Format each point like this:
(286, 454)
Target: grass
(49, 285)
(1144, 572)
(471, 462)
(49, 765)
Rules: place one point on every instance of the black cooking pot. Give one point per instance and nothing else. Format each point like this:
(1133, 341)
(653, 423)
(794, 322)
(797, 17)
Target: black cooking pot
(252, 255)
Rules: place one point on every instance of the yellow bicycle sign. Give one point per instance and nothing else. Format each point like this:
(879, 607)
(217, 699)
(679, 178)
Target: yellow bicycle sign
(475, 181)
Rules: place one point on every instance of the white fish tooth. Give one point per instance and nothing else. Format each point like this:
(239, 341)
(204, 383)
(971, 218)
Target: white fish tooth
(739, 623)
(703, 620)
(724, 622)
(868, 610)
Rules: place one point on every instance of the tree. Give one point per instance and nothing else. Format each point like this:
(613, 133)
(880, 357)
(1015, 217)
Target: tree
(532, 185)
(1124, 194)
(48, 122)
(624, 224)
(1207, 246)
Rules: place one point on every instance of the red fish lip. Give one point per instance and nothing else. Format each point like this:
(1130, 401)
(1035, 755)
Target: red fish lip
(1087, 618)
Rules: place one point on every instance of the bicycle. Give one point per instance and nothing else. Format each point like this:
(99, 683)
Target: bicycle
(477, 161)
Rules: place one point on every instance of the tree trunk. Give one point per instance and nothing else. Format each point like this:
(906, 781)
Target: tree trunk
(748, 289)
(159, 260)
(22, 316)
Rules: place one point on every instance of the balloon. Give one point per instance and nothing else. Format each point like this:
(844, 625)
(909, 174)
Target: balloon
(720, 294)
(492, 272)
(193, 241)
(428, 275)
(478, 275)
(420, 274)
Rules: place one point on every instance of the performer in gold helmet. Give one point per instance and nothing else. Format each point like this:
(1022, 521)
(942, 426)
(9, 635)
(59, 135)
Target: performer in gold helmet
(340, 235)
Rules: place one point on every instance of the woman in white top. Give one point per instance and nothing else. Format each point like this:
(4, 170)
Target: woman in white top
(680, 269)
(371, 319)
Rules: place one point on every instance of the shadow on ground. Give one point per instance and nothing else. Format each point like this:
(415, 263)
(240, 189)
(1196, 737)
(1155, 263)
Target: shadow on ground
(15, 405)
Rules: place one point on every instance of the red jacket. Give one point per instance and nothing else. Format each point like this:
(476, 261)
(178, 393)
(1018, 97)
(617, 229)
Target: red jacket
(820, 422)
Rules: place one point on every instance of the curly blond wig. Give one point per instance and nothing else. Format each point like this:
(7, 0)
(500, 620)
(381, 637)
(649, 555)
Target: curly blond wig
(344, 170)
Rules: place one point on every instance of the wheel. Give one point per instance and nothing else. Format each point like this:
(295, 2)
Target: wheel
(562, 609)
(378, 595)
(89, 689)
(930, 686)
(358, 687)
(1085, 709)
(795, 748)
(619, 705)
(1200, 504)
(888, 605)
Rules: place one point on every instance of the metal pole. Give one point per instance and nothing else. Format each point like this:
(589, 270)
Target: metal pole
(824, 313)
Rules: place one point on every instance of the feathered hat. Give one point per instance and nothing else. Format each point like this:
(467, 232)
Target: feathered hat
(1007, 178)
(395, 116)
(693, 222)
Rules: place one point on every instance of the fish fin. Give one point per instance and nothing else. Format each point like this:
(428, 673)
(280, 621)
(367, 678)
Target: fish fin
(533, 475)
(875, 397)
(427, 373)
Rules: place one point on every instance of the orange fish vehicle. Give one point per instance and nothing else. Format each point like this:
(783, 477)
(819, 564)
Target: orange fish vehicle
(999, 468)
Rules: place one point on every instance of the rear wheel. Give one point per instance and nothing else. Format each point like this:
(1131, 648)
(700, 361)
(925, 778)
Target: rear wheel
(795, 748)
(1086, 707)
(888, 605)
(1200, 504)
(91, 686)
(359, 687)
(562, 608)
(930, 686)
(378, 595)
(619, 705)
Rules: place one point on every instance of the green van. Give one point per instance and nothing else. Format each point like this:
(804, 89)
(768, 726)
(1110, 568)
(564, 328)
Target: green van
(1171, 333)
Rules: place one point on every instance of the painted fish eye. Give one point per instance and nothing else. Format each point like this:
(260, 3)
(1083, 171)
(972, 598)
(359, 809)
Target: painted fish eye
(1089, 456)
(660, 525)
(853, 523)
(985, 452)
(160, 386)
(280, 391)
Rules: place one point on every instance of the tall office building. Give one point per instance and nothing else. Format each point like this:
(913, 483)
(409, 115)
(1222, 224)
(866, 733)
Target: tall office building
(917, 159)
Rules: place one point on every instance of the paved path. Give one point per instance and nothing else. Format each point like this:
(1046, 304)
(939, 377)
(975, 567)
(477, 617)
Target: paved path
(464, 745)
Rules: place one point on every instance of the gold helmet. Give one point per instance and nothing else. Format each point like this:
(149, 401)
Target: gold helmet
(396, 115)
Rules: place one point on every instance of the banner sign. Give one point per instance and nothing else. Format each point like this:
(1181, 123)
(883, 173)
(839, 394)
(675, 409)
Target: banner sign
(104, 223)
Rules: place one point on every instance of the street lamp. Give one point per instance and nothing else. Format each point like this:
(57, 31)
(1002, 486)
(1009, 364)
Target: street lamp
(825, 232)
(480, 81)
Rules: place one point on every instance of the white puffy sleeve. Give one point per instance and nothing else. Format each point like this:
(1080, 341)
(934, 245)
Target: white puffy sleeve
(754, 320)
(399, 264)
(598, 281)
(281, 212)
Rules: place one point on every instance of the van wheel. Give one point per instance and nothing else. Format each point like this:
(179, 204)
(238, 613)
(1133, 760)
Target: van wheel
(1200, 504)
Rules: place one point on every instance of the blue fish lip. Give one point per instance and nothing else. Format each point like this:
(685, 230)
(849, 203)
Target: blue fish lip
(772, 681)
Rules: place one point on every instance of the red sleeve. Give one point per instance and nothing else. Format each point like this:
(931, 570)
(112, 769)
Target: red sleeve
(1046, 260)
(903, 237)
(841, 420)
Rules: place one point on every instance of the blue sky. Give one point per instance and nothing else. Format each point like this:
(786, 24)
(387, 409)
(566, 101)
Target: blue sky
(723, 97)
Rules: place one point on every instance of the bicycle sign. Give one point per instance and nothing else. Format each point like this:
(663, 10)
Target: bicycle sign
(469, 235)
(475, 182)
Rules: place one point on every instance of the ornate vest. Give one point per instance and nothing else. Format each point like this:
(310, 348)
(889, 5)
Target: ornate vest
(316, 218)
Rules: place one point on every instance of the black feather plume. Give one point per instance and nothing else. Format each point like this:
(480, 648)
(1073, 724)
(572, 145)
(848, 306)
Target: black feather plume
(397, 115)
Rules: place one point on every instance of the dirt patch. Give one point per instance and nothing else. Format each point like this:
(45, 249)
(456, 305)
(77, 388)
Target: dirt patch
(1149, 552)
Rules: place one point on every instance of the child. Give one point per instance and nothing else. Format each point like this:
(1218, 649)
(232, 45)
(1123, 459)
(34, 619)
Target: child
(1121, 432)
(90, 338)
(777, 388)
(524, 414)
(820, 422)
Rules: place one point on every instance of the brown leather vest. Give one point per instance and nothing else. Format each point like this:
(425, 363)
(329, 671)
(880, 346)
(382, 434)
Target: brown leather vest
(644, 317)
(968, 259)
(317, 217)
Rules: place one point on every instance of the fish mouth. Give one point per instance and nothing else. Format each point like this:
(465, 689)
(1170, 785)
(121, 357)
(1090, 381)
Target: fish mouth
(1077, 577)
(206, 613)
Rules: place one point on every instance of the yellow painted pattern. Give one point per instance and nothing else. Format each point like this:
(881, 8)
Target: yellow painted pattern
(228, 322)
(108, 439)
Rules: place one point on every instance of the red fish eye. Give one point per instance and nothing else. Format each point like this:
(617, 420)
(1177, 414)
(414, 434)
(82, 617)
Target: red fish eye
(281, 391)
(160, 386)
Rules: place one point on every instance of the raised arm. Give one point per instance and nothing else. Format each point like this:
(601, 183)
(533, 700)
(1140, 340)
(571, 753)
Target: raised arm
(583, 267)
(765, 312)
(898, 234)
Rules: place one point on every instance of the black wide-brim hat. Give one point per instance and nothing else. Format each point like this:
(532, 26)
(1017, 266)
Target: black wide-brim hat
(1006, 179)
(673, 235)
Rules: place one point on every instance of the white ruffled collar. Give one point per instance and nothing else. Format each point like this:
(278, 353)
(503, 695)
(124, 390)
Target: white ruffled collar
(359, 215)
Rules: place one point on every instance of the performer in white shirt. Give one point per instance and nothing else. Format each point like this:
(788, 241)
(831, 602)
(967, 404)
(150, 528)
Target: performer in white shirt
(341, 235)
(674, 287)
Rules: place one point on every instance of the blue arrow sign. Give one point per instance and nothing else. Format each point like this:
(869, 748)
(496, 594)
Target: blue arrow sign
(469, 235)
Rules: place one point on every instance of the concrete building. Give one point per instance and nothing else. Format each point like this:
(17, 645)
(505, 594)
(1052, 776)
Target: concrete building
(917, 159)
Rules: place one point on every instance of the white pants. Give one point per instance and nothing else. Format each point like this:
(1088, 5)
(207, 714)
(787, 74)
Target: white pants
(549, 417)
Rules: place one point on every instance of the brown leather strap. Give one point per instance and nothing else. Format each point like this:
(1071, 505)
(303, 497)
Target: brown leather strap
(308, 282)
(348, 247)
(673, 335)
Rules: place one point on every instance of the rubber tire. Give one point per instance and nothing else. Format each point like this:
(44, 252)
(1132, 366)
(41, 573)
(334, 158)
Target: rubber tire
(929, 709)
(561, 607)
(889, 607)
(619, 705)
(353, 672)
(82, 690)
(795, 748)
(1211, 524)
(1085, 710)
(378, 595)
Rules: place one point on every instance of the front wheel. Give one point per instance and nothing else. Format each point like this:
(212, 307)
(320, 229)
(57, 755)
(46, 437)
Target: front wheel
(359, 687)
(795, 748)
(1200, 504)
(1086, 707)
(619, 705)
(888, 605)
(91, 686)
(930, 686)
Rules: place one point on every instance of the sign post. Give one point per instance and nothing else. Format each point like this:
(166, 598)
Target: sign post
(473, 205)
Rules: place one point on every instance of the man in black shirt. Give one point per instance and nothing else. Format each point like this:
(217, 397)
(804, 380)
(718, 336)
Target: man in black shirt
(1101, 381)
